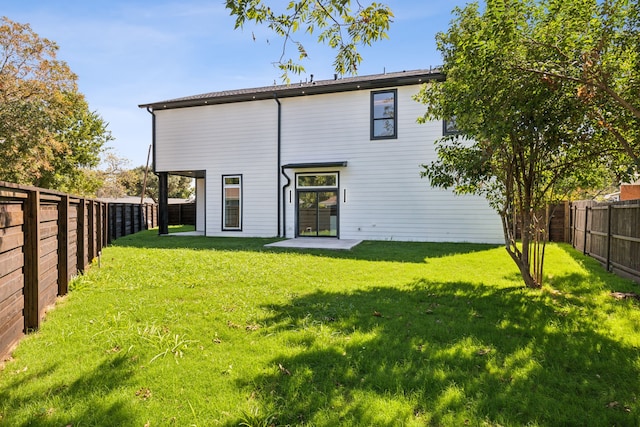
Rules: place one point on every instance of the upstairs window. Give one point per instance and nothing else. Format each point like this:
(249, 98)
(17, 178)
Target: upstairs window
(232, 202)
(384, 122)
(449, 127)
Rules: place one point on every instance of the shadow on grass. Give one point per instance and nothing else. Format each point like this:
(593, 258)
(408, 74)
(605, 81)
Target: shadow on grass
(411, 252)
(444, 354)
(91, 393)
(597, 272)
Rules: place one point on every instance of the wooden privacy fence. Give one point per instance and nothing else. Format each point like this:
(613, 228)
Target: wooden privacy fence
(46, 238)
(182, 214)
(610, 233)
(129, 218)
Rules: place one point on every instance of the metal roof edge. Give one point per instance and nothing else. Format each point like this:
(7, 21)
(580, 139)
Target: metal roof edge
(375, 81)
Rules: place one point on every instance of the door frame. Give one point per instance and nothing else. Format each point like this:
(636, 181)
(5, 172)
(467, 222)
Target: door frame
(317, 189)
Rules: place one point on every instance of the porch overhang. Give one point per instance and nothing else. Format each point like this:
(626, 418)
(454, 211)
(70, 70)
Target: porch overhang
(313, 165)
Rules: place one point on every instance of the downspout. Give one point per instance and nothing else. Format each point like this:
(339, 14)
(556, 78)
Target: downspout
(284, 203)
(153, 137)
(163, 209)
(281, 206)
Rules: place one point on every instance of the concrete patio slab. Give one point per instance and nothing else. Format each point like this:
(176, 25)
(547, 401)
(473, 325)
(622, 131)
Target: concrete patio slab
(185, 234)
(316, 243)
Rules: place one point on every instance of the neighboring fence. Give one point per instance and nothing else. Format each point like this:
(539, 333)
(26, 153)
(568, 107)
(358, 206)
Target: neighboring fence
(610, 233)
(46, 238)
(560, 222)
(182, 214)
(129, 218)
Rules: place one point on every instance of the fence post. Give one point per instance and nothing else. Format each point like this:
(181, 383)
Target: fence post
(112, 222)
(80, 259)
(141, 217)
(567, 222)
(134, 219)
(572, 224)
(123, 218)
(609, 212)
(63, 245)
(105, 224)
(91, 253)
(32, 261)
(98, 227)
(586, 222)
(113, 213)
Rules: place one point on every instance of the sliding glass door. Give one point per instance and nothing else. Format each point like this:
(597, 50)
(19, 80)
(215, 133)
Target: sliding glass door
(317, 213)
(317, 205)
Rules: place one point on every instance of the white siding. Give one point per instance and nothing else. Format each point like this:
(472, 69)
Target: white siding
(386, 199)
(229, 139)
(201, 199)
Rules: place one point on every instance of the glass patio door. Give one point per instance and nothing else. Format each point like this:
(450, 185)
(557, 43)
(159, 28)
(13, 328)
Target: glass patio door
(317, 213)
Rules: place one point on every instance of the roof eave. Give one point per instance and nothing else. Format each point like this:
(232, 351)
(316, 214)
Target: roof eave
(303, 89)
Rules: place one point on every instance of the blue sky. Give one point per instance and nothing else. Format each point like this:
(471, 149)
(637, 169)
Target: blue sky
(129, 52)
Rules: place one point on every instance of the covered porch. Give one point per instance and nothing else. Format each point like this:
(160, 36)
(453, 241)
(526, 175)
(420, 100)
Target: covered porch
(163, 200)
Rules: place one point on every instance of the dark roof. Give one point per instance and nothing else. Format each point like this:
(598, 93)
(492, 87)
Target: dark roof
(401, 78)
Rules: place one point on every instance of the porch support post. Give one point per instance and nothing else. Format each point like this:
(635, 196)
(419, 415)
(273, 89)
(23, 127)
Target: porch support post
(163, 203)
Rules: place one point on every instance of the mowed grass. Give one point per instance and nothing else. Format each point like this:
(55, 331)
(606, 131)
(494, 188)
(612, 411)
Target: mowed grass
(208, 331)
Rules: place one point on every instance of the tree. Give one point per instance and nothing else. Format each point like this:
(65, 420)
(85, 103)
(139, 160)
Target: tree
(339, 26)
(522, 140)
(82, 135)
(179, 186)
(118, 179)
(114, 177)
(595, 47)
(48, 135)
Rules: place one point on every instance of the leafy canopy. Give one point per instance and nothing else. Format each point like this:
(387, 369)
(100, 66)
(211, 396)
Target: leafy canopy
(524, 140)
(337, 23)
(595, 47)
(119, 180)
(48, 135)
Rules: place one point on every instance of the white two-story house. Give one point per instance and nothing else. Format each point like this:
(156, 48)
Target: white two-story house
(334, 158)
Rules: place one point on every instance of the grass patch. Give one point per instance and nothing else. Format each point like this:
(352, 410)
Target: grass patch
(219, 331)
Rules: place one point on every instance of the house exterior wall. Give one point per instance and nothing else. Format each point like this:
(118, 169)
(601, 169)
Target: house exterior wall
(386, 199)
(201, 211)
(229, 139)
(629, 191)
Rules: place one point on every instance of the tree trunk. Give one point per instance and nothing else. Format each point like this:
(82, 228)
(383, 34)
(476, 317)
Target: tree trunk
(525, 272)
(520, 257)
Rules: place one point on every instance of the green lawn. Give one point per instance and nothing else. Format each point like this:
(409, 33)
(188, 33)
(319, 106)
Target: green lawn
(212, 331)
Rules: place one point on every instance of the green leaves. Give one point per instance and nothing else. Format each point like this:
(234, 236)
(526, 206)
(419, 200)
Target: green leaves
(48, 134)
(340, 27)
(529, 86)
(593, 48)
